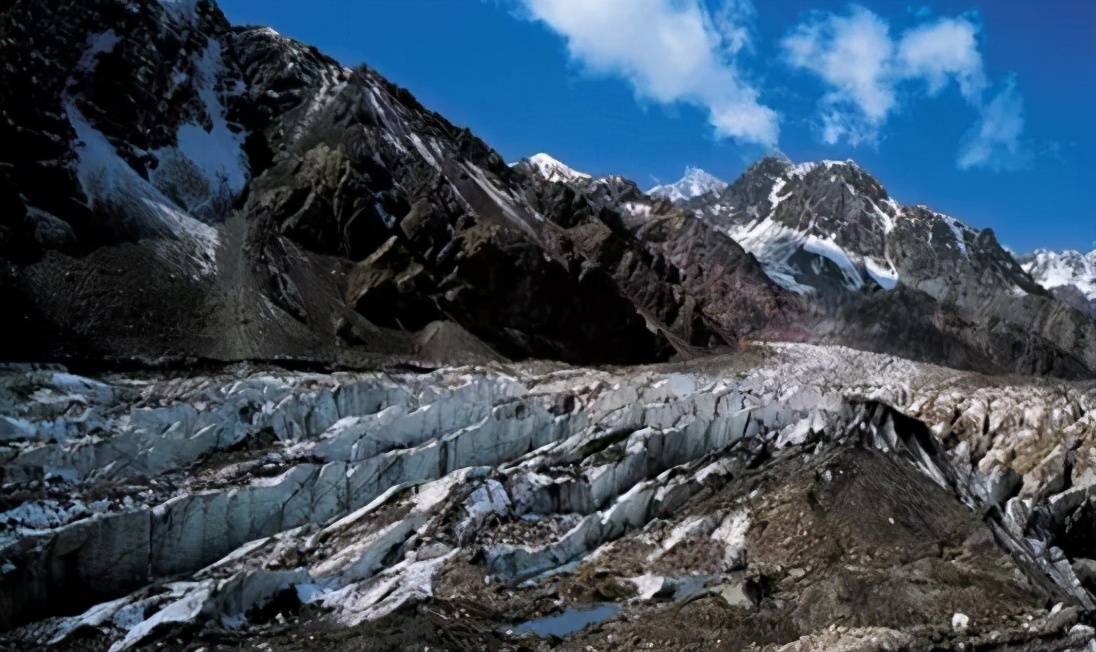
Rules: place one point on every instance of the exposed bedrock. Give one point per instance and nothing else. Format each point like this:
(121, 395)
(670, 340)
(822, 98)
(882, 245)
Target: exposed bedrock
(362, 495)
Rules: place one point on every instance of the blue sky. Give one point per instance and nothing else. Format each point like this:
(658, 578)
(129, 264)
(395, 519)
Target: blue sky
(983, 110)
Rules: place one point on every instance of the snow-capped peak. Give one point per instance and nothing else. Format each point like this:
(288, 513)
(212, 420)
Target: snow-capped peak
(1053, 269)
(694, 183)
(552, 170)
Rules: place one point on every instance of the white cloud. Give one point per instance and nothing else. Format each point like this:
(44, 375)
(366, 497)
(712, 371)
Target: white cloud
(863, 68)
(995, 141)
(670, 51)
(733, 20)
(852, 54)
(945, 49)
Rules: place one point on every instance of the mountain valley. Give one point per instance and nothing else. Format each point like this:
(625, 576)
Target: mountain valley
(294, 361)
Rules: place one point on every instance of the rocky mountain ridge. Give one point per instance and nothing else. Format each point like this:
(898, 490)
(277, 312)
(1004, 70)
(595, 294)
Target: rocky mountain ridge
(830, 232)
(257, 200)
(1069, 274)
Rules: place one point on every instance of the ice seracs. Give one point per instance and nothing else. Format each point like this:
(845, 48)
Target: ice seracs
(694, 183)
(359, 493)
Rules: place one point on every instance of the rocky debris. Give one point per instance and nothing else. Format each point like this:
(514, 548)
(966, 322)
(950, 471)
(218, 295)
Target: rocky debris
(759, 497)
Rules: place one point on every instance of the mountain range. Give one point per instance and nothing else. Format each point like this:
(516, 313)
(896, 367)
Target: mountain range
(1069, 274)
(183, 188)
(294, 362)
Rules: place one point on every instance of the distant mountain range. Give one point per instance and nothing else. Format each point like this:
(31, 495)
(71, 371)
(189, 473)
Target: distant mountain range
(181, 188)
(694, 183)
(1069, 274)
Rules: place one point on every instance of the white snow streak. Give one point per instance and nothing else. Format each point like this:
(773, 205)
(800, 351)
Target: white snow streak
(97, 44)
(204, 167)
(106, 178)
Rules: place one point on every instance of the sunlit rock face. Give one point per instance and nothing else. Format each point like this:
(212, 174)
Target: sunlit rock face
(783, 486)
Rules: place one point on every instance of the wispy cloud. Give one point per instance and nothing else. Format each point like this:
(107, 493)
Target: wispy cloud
(670, 51)
(689, 51)
(853, 54)
(995, 142)
(940, 51)
(863, 67)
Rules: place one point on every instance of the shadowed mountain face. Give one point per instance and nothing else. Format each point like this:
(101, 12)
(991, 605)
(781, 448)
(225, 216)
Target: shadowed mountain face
(258, 200)
(185, 188)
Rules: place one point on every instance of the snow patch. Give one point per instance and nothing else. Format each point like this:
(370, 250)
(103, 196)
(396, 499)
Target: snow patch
(106, 179)
(206, 168)
(101, 43)
(887, 220)
(506, 202)
(1053, 269)
(774, 195)
(886, 277)
(773, 244)
(424, 151)
(957, 231)
(552, 170)
(830, 250)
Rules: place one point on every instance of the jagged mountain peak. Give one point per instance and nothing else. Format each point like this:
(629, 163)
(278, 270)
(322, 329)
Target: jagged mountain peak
(1063, 269)
(552, 169)
(695, 182)
(821, 172)
(830, 226)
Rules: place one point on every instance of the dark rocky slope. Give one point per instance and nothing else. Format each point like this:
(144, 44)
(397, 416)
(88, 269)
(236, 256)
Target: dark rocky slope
(186, 188)
(192, 189)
